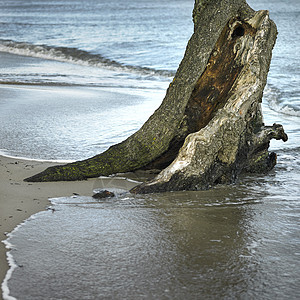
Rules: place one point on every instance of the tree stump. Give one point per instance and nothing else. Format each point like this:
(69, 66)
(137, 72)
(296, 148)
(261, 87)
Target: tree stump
(209, 127)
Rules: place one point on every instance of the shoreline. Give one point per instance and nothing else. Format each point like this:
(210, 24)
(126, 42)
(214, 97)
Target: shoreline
(19, 200)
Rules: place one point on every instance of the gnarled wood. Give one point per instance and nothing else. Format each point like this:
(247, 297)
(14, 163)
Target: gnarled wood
(205, 131)
(233, 138)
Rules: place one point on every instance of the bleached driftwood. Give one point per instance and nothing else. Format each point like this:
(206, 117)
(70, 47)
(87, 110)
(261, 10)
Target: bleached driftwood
(209, 127)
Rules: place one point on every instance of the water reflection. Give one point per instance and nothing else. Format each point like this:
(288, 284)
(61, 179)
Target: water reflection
(217, 244)
(212, 240)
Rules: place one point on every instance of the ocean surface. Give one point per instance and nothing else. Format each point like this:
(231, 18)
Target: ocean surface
(79, 76)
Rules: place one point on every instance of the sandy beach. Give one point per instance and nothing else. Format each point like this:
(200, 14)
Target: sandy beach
(19, 200)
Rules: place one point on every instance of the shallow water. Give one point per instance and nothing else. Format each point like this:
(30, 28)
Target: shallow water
(231, 242)
(79, 79)
(70, 123)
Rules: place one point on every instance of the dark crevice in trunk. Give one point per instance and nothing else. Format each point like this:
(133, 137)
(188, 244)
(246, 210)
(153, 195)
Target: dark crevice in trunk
(211, 90)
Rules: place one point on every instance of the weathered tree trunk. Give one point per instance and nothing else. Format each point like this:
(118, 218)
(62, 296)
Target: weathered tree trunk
(209, 126)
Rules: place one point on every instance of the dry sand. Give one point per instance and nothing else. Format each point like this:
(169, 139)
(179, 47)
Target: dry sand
(19, 199)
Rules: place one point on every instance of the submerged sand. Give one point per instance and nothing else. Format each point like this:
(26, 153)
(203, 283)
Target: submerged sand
(19, 200)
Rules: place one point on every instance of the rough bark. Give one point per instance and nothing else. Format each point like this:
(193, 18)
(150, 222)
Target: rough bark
(209, 126)
(234, 139)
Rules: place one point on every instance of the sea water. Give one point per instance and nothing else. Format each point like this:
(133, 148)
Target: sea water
(79, 76)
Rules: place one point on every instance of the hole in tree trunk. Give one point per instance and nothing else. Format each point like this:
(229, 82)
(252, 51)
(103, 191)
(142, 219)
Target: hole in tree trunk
(239, 31)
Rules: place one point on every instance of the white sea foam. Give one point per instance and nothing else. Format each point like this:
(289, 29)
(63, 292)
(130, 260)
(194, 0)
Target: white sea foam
(71, 200)
(76, 56)
(4, 286)
(272, 95)
(11, 262)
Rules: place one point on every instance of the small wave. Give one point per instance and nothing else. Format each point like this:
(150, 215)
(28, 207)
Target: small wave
(11, 261)
(12, 266)
(76, 56)
(6, 154)
(43, 83)
(273, 96)
(38, 83)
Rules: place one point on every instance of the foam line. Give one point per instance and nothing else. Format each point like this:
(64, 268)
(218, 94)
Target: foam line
(75, 56)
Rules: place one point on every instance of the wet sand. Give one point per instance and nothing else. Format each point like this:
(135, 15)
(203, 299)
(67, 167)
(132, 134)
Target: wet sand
(19, 200)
